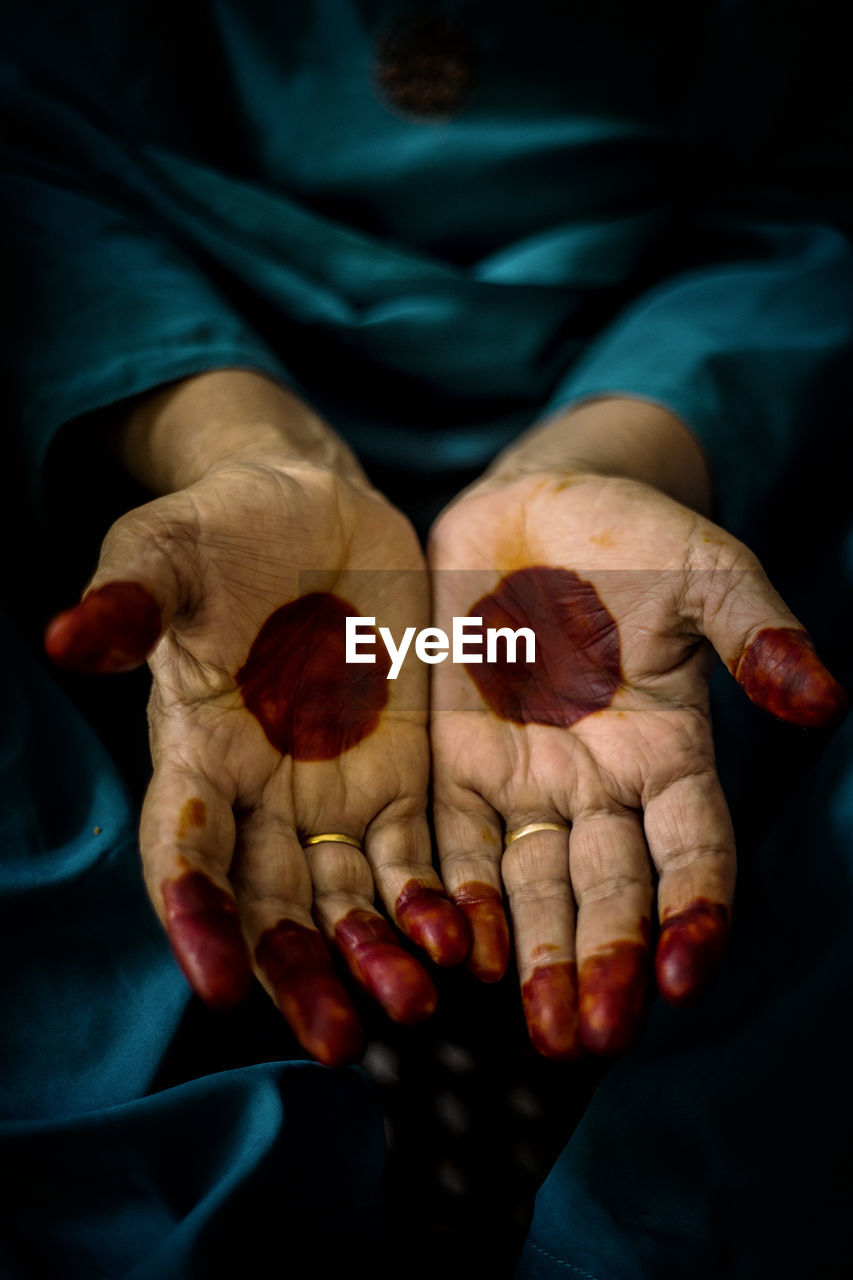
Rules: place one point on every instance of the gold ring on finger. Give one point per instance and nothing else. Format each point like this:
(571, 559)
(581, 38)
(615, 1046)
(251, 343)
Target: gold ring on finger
(530, 827)
(333, 837)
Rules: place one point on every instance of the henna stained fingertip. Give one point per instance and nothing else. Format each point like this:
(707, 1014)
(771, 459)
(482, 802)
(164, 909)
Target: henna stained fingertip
(550, 1001)
(613, 985)
(203, 926)
(781, 672)
(482, 905)
(320, 1013)
(690, 950)
(432, 921)
(111, 630)
(375, 958)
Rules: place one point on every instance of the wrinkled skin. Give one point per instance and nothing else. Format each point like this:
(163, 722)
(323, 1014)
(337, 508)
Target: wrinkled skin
(244, 767)
(612, 738)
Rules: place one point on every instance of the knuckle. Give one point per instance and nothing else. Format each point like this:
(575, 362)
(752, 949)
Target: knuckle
(712, 855)
(612, 886)
(339, 869)
(530, 864)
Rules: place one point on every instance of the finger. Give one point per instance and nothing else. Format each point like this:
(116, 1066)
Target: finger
(127, 606)
(690, 838)
(780, 671)
(186, 841)
(767, 650)
(469, 849)
(343, 906)
(273, 887)
(400, 853)
(112, 629)
(611, 878)
(536, 878)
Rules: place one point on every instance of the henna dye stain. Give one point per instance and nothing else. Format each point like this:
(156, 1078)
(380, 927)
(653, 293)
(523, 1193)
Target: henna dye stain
(690, 950)
(483, 907)
(577, 668)
(613, 985)
(192, 815)
(309, 701)
(550, 1001)
(393, 977)
(297, 963)
(204, 928)
(543, 949)
(112, 629)
(781, 672)
(432, 921)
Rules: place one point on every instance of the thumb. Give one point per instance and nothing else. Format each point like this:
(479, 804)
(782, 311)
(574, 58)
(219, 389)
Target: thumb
(767, 650)
(125, 609)
(780, 671)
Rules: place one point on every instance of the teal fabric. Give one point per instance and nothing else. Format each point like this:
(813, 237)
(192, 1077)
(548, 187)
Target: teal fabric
(652, 200)
(236, 176)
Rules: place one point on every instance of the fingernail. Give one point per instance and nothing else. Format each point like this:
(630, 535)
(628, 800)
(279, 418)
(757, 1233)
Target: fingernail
(483, 908)
(297, 962)
(432, 921)
(690, 950)
(112, 630)
(550, 1000)
(781, 672)
(393, 977)
(204, 928)
(613, 985)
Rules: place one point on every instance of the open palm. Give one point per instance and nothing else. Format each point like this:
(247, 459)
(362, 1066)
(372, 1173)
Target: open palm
(262, 736)
(604, 738)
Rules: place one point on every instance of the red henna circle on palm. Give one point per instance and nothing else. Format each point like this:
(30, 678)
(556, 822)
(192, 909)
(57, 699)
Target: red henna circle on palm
(432, 921)
(309, 701)
(577, 668)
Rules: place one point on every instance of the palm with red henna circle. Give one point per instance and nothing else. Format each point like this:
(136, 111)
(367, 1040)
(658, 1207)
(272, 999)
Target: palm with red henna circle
(607, 732)
(261, 736)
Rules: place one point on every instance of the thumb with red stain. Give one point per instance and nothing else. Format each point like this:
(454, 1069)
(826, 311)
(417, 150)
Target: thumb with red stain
(769, 653)
(127, 606)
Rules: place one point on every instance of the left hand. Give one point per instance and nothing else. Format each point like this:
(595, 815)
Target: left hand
(606, 737)
(236, 583)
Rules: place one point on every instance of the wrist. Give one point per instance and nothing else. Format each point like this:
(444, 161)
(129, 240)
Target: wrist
(613, 436)
(174, 436)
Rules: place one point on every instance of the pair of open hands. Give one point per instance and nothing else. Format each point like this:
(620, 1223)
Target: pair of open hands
(237, 588)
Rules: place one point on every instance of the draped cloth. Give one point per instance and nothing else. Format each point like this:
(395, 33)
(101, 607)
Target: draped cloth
(107, 1170)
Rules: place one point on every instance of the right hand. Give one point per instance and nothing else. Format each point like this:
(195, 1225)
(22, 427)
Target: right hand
(598, 753)
(236, 588)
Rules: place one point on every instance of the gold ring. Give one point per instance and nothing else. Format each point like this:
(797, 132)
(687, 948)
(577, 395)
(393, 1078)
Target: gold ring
(512, 836)
(333, 837)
